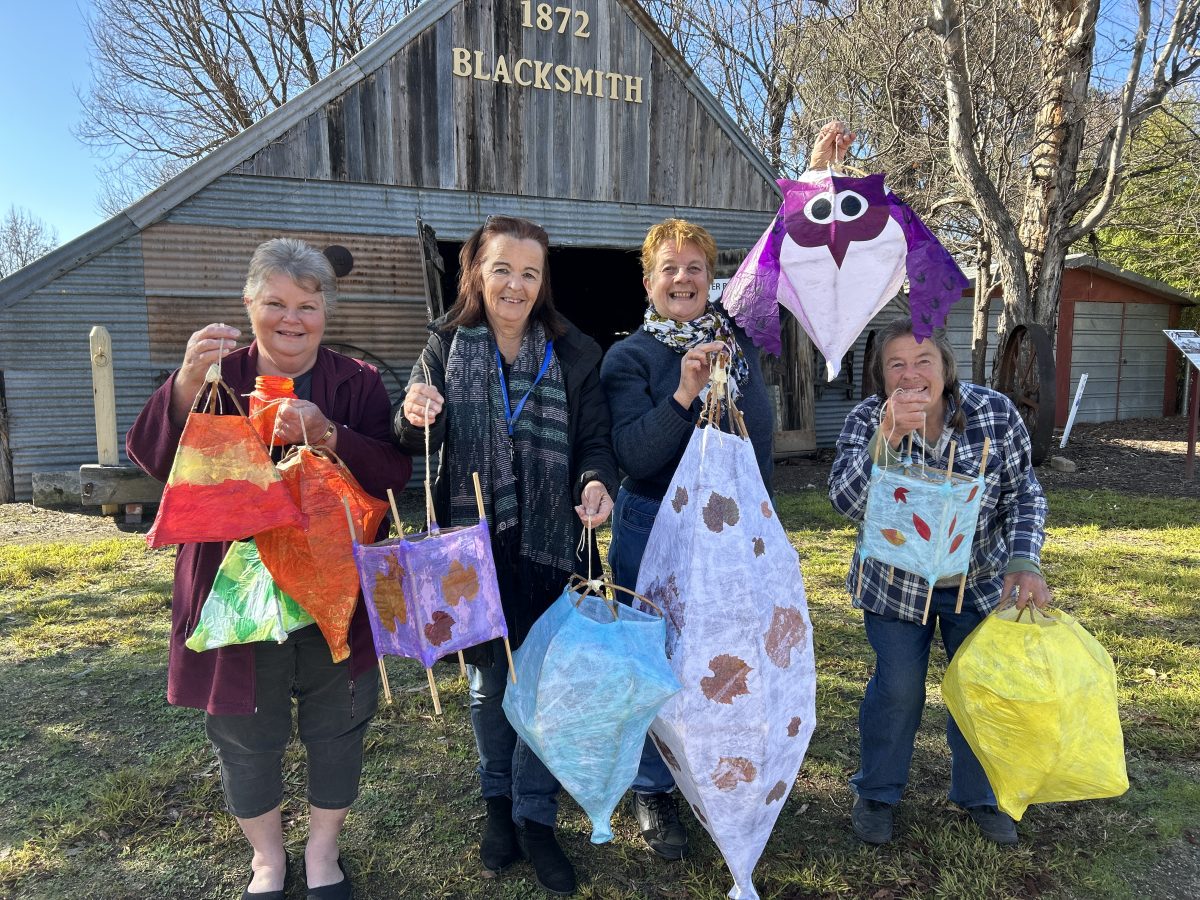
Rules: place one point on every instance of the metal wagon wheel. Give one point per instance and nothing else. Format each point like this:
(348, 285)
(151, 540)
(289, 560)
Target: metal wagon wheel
(1027, 377)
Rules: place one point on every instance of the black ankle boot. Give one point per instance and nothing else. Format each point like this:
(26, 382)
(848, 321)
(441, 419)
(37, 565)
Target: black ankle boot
(554, 871)
(498, 847)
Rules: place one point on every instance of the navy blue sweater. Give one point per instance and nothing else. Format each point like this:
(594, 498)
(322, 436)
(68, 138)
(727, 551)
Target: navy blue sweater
(650, 430)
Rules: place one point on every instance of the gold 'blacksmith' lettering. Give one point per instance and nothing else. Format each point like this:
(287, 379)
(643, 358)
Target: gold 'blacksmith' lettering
(465, 63)
(501, 70)
(562, 78)
(462, 62)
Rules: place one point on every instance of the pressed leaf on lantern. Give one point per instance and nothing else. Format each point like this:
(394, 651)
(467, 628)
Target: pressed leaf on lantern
(732, 771)
(953, 522)
(680, 500)
(974, 491)
(765, 507)
(720, 511)
(389, 595)
(893, 536)
(665, 752)
(460, 583)
(666, 597)
(759, 546)
(793, 728)
(955, 543)
(901, 495)
(777, 793)
(922, 526)
(728, 679)
(787, 632)
(437, 631)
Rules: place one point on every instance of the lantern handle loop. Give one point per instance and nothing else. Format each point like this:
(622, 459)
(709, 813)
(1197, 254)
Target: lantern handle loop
(430, 518)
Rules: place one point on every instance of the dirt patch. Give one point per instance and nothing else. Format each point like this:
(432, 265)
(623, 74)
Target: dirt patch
(1135, 456)
(23, 523)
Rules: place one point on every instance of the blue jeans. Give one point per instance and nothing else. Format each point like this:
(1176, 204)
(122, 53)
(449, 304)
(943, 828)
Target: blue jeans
(895, 698)
(507, 767)
(633, 517)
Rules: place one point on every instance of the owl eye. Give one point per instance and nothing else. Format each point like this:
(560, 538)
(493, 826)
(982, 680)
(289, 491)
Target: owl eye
(850, 206)
(819, 209)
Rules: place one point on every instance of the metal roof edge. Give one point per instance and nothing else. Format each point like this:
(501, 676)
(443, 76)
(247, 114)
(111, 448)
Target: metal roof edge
(1087, 261)
(23, 282)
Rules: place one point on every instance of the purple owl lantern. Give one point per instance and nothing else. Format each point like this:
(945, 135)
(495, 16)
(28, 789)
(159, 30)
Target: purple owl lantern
(838, 251)
(432, 594)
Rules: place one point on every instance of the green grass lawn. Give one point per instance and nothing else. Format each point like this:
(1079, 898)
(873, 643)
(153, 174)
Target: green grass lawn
(107, 792)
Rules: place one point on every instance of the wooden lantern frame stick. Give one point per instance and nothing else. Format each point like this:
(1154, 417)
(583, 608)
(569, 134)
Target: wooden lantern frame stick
(383, 675)
(433, 691)
(512, 669)
(962, 585)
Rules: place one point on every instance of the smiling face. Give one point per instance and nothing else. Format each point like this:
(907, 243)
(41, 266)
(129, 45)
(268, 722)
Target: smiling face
(511, 270)
(917, 369)
(679, 282)
(288, 322)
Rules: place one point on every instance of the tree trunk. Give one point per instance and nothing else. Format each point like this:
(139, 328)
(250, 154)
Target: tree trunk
(1068, 33)
(979, 322)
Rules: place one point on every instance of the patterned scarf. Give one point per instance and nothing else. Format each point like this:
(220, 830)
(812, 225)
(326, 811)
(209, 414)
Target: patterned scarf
(528, 492)
(710, 326)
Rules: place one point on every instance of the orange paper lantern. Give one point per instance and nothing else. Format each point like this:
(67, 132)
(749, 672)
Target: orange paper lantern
(315, 565)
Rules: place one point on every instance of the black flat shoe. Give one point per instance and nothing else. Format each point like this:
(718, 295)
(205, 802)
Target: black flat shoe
(339, 890)
(271, 895)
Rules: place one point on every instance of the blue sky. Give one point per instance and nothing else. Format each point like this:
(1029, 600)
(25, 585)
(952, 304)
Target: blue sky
(43, 167)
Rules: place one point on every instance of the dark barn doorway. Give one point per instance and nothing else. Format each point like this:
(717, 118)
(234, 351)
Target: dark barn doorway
(599, 290)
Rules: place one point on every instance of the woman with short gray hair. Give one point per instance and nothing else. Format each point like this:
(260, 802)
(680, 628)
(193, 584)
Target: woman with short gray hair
(247, 690)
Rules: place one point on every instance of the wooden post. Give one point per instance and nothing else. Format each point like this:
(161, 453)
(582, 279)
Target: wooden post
(1189, 466)
(104, 398)
(8, 491)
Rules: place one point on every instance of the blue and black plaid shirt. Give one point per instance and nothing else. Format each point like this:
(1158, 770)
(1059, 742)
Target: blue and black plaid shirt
(1012, 519)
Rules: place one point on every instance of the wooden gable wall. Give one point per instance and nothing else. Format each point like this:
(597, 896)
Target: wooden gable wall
(418, 121)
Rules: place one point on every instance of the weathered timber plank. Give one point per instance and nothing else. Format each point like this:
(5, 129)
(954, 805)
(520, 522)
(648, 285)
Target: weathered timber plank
(100, 485)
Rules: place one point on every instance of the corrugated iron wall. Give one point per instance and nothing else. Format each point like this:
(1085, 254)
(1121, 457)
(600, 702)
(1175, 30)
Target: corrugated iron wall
(47, 366)
(240, 201)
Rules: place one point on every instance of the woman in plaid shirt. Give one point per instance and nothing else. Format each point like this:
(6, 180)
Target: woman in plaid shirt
(925, 398)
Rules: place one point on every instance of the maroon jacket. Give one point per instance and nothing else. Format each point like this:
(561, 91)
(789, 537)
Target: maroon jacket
(352, 395)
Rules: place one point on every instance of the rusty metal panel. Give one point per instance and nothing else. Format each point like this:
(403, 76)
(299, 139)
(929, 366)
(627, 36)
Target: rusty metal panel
(194, 275)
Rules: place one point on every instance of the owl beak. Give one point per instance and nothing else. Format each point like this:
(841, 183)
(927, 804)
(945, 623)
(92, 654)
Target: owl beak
(839, 242)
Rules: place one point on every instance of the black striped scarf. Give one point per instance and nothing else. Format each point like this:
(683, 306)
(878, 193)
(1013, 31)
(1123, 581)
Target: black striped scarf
(531, 506)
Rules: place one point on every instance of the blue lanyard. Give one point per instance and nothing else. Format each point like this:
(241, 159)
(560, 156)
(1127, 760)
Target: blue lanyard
(510, 415)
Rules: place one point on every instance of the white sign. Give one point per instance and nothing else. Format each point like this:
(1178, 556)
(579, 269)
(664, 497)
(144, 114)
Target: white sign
(1188, 343)
(718, 287)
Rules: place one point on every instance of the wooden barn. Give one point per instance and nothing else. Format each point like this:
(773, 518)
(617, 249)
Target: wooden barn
(462, 109)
